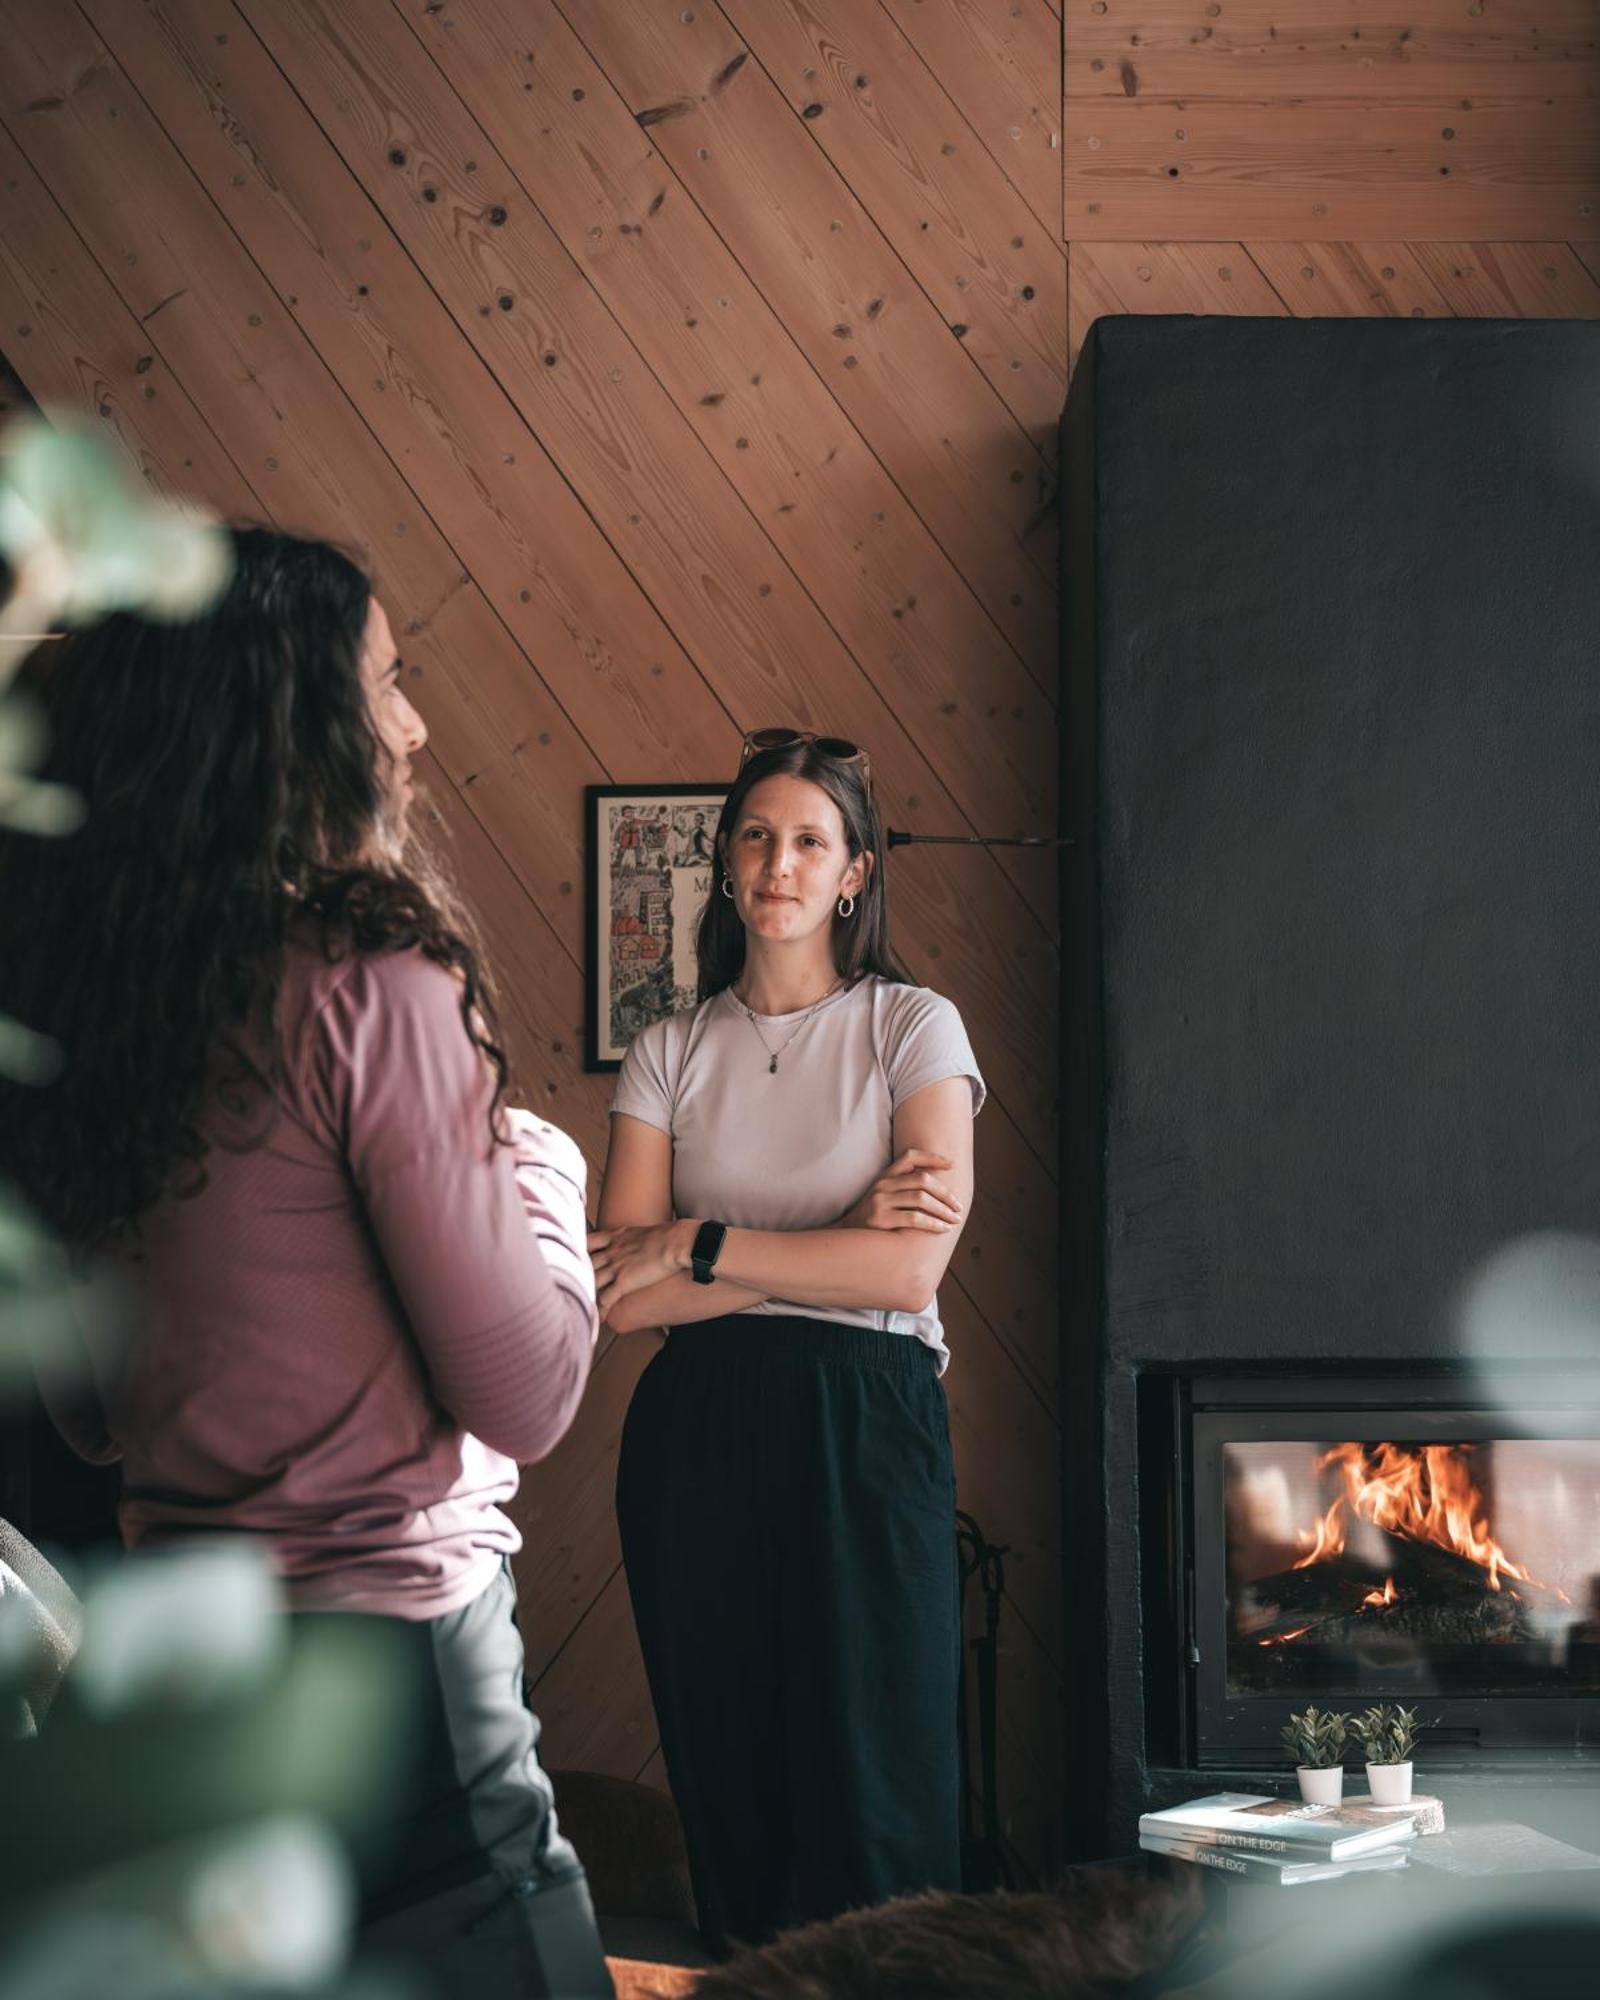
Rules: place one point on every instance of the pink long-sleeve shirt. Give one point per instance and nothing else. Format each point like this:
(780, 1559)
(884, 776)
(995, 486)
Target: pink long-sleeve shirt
(349, 1339)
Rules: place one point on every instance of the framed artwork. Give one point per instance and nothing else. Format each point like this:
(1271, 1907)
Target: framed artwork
(649, 873)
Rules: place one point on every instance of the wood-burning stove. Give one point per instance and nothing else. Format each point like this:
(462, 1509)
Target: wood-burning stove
(1348, 1541)
(1331, 944)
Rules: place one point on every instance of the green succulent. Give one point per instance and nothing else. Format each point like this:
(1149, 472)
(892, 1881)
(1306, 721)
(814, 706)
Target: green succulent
(1386, 1735)
(1315, 1740)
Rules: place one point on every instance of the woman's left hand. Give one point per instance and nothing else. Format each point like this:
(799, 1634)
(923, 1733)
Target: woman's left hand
(632, 1259)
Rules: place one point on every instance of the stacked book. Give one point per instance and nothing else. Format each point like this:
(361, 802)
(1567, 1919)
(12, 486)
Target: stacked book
(1279, 1841)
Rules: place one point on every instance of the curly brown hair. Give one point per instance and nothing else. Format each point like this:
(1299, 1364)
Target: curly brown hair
(235, 786)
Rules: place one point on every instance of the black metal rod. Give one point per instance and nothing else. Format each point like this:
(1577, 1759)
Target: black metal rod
(896, 838)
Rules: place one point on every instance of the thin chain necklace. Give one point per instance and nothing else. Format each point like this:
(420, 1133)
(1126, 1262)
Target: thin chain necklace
(774, 1053)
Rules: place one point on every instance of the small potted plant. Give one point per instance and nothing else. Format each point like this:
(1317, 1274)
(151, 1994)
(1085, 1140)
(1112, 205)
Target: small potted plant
(1388, 1736)
(1316, 1743)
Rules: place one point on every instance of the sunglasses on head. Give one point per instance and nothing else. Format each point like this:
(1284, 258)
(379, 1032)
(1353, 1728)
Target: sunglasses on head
(840, 748)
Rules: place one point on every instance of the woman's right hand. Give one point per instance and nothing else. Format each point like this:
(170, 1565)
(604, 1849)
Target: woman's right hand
(907, 1195)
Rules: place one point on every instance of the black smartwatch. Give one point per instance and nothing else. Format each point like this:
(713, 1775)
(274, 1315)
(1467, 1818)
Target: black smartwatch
(707, 1249)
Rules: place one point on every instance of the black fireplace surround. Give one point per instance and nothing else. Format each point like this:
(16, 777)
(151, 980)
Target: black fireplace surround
(1331, 1063)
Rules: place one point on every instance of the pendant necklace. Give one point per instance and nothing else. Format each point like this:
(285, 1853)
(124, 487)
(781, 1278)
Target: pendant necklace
(774, 1053)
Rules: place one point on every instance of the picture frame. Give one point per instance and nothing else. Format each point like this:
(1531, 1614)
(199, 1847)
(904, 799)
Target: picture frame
(647, 874)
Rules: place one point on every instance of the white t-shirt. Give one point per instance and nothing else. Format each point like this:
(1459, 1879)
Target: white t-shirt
(796, 1149)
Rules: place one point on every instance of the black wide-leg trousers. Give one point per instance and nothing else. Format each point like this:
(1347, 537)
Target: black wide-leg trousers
(787, 1501)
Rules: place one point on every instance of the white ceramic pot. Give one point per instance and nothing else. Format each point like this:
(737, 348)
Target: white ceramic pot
(1321, 1788)
(1389, 1784)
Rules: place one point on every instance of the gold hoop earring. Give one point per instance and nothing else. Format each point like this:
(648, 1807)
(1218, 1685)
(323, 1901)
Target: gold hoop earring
(851, 910)
(727, 888)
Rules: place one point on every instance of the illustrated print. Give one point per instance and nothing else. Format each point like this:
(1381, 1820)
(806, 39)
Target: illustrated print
(650, 860)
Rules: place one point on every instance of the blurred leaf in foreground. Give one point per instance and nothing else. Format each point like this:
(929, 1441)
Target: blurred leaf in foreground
(83, 537)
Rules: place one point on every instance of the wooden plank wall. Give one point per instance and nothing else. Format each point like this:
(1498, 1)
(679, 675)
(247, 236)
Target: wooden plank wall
(682, 367)
(1332, 157)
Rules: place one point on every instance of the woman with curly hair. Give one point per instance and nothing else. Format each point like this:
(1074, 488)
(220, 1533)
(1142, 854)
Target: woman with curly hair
(356, 1282)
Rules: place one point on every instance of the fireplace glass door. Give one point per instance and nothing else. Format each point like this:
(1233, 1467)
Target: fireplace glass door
(1416, 1558)
(1469, 1567)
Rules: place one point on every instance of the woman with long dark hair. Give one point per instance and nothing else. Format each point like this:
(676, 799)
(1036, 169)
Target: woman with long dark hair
(356, 1281)
(789, 1170)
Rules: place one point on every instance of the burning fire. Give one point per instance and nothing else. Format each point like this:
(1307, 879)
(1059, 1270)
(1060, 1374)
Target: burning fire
(1423, 1493)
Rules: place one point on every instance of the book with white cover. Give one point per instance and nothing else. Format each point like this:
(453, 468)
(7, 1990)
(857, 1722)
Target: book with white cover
(1272, 1868)
(1279, 1826)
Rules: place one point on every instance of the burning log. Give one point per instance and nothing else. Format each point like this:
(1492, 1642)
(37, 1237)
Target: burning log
(1420, 1593)
(1426, 1569)
(1331, 1587)
(1490, 1620)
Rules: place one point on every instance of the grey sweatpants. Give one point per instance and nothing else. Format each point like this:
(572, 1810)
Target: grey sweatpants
(485, 1896)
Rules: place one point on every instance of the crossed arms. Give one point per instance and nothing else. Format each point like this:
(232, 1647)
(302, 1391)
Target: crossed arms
(887, 1253)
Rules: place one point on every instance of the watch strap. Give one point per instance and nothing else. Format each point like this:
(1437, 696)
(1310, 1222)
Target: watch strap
(705, 1251)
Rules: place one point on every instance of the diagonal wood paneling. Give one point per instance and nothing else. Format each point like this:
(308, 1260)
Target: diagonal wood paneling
(1164, 278)
(899, 139)
(617, 489)
(653, 428)
(1376, 280)
(652, 254)
(493, 726)
(1002, 66)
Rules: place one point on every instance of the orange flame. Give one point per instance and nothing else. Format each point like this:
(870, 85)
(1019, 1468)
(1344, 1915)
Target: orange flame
(1378, 1598)
(1283, 1638)
(1329, 1539)
(1421, 1493)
